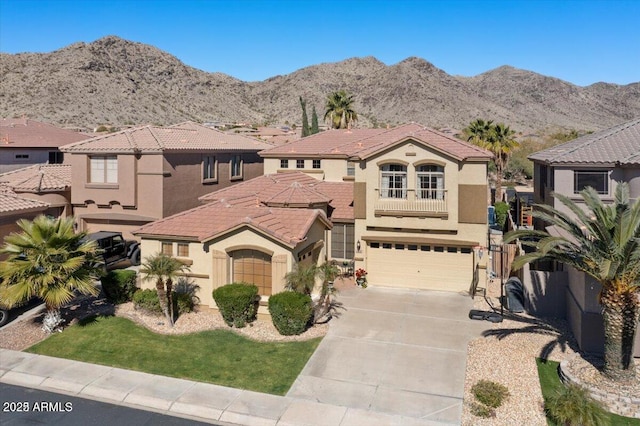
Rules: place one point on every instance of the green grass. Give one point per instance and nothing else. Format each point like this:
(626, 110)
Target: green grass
(550, 383)
(218, 356)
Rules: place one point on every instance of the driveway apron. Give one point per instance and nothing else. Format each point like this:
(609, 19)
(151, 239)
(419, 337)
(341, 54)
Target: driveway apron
(399, 352)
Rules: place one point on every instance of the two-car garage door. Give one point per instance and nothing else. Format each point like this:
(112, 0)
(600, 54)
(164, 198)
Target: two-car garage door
(424, 266)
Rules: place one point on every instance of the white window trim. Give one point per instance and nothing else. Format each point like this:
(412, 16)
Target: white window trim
(100, 165)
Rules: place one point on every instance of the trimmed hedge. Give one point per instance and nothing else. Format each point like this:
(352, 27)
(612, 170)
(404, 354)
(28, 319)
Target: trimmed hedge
(238, 303)
(119, 285)
(291, 312)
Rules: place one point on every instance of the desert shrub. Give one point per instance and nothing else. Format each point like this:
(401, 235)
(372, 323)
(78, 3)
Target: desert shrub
(502, 209)
(237, 302)
(147, 300)
(490, 393)
(185, 295)
(482, 410)
(572, 406)
(290, 312)
(119, 285)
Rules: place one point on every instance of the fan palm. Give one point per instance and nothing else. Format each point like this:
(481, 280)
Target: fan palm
(501, 144)
(301, 279)
(339, 112)
(163, 269)
(47, 259)
(478, 131)
(602, 241)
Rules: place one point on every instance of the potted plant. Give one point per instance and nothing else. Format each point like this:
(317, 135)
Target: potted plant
(361, 278)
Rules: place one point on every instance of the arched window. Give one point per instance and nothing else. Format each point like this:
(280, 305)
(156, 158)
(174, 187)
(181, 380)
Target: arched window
(430, 184)
(393, 181)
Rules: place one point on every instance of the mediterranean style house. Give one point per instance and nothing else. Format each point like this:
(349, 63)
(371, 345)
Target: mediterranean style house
(601, 160)
(408, 204)
(420, 201)
(24, 142)
(125, 179)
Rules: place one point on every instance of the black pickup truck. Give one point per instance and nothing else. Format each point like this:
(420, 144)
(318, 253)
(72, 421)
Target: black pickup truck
(115, 248)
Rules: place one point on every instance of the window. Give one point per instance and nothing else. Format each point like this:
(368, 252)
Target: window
(543, 180)
(430, 183)
(183, 250)
(412, 247)
(299, 164)
(167, 248)
(103, 169)
(284, 164)
(452, 249)
(351, 168)
(316, 164)
(342, 240)
(375, 245)
(386, 245)
(393, 181)
(236, 166)
(209, 168)
(56, 157)
(22, 156)
(253, 267)
(399, 246)
(425, 248)
(597, 179)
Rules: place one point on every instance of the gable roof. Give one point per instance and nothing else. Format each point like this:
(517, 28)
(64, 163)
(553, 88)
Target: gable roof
(38, 178)
(27, 133)
(185, 136)
(293, 189)
(364, 143)
(616, 145)
(204, 223)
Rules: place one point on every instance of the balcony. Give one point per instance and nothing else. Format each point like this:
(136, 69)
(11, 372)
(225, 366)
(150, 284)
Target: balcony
(410, 205)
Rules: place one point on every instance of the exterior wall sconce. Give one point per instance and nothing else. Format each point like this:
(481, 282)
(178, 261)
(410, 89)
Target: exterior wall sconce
(358, 246)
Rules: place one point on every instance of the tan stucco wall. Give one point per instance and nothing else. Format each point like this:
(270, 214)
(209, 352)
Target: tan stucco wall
(331, 169)
(211, 261)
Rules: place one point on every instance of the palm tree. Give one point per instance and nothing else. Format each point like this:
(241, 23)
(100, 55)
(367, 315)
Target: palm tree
(163, 269)
(339, 111)
(478, 131)
(50, 261)
(501, 143)
(327, 272)
(301, 279)
(602, 241)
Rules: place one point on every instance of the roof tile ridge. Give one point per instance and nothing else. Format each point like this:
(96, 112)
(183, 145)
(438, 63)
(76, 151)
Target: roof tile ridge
(156, 137)
(592, 138)
(183, 213)
(456, 140)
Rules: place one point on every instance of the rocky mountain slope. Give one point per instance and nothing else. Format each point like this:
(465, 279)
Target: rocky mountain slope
(119, 82)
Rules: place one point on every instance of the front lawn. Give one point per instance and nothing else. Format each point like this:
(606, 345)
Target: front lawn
(550, 383)
(217, 356)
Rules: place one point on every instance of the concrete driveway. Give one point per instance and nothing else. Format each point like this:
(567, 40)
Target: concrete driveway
(400, 352)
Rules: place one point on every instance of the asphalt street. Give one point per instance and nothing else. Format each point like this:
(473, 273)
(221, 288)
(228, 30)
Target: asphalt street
(26, 406)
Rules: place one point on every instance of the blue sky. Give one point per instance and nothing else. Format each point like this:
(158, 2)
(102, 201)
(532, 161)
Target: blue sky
(580, 41)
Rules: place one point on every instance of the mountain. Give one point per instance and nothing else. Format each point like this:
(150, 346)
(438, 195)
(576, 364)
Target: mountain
(119, 82)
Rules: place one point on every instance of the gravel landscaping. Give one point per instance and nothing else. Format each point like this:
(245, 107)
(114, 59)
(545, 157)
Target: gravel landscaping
(507, 355)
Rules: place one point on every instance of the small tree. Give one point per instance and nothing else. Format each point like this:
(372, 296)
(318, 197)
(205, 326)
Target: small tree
(48, 260)
(163, 269)
(328, 272)
(305, 120)
(314, 121)
(301, 279)
(339, 112)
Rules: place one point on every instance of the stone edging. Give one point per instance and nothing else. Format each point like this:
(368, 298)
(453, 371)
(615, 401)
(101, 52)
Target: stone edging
(617, 403)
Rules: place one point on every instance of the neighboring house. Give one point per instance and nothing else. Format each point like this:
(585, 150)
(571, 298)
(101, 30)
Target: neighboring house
(47, 183)
(125, 179)
(14, 207)
(420, 201)
(601, 160)
(24, 142)
(252, 232)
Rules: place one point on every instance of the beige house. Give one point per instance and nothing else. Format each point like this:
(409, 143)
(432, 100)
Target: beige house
(420, 202)
(126, 179)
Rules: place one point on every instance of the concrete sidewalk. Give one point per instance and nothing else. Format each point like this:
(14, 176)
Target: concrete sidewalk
(394, 357)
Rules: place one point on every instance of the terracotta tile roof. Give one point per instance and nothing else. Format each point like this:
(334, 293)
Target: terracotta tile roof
(11, 204)
(364, 143)
(179, 137)
(616, 145)
(39, 178)
(204, 223)
(26, 133)
(295, 189)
